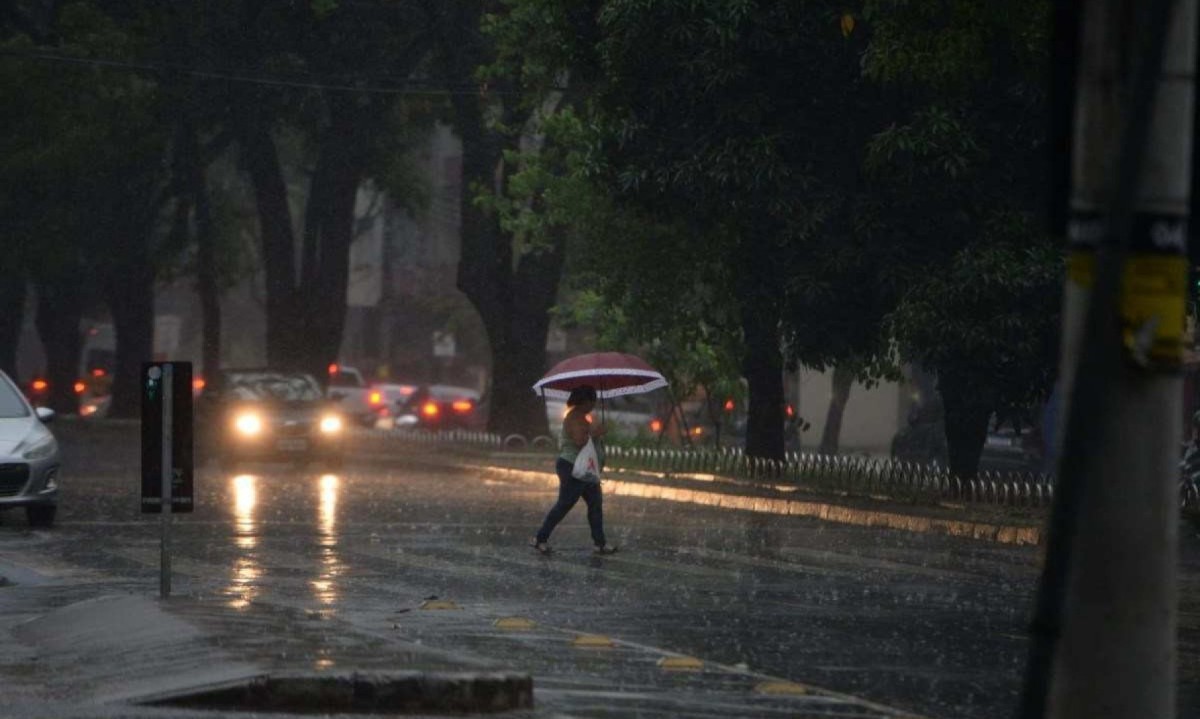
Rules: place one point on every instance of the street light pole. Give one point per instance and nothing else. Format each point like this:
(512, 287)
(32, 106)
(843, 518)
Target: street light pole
(1104, 631)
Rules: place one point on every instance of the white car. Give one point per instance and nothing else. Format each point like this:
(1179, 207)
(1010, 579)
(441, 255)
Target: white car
(627, 415)
(29, 457)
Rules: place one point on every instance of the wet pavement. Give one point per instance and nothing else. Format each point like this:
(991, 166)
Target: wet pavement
(403, 561)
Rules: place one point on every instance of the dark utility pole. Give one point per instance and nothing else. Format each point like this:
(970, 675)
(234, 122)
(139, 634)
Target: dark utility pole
(1104, 634)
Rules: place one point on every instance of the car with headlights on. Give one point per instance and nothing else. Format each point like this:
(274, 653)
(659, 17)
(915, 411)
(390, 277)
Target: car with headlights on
(269, 415)
(29, 456)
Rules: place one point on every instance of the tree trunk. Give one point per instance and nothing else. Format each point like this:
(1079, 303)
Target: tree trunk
(325, 273)
(763, 366)
(12, 316)
(514, 305)
(843, 380)
(277, 240)
(59, 312)
(515, 407)
(967, 412)
(207, 287)
(130, 297)
(306, 318)
(761, 289)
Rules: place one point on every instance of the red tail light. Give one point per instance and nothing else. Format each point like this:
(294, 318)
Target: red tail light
(462, 406)
(198, 384)
(80, 387)
(729, 405)
(655, 426)
(40, 385)
(430, 409)
(98, 372)
(790, 412)
(333, 368)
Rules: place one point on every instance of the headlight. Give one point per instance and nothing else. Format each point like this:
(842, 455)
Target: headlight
(248, 424)
(331, 424)
(40, 449)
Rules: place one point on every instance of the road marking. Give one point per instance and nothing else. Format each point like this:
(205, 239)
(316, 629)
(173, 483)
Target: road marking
(514, 623)
(681, 664)
(781, 688)
(592, 641)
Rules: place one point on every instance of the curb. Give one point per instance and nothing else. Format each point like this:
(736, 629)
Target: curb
(365, 693)
(1000, 533)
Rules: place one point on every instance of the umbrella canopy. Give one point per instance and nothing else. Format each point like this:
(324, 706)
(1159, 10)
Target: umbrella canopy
(611, 373)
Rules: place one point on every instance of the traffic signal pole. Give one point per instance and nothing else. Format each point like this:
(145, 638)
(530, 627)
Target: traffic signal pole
(1104, 630)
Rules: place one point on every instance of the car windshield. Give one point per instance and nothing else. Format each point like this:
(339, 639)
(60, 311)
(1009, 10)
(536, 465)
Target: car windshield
(257, 386)
(11, 404)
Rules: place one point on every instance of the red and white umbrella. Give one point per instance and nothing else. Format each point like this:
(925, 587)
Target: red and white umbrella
(612, 374)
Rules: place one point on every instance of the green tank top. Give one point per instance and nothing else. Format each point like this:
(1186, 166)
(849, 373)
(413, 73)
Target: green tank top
(566, 448)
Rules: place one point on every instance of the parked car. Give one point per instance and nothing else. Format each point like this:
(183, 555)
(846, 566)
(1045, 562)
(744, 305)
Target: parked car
(1007, 450)
(440, 406)
(265, 414)
(629, 415)
(29, 456)
(386, 399)
(347, 387)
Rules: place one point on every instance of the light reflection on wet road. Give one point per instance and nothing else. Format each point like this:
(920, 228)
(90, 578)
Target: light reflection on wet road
(930, 624)
(247, 575)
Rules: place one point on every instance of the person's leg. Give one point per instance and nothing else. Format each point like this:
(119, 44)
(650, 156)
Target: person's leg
(595, 511)
(568, 494)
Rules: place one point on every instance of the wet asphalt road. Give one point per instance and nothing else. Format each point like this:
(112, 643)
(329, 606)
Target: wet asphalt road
(928, 624)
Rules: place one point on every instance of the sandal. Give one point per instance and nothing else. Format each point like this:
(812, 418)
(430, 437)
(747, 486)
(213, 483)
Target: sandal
(605, 549)
(541, 547)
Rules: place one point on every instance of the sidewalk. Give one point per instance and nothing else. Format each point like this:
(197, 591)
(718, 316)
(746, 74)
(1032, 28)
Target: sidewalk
(80, 645)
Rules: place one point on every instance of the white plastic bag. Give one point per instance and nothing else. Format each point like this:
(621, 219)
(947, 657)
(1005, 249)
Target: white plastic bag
(587, 464)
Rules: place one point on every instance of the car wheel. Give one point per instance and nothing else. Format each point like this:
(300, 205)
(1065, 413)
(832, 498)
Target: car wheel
(41, 515)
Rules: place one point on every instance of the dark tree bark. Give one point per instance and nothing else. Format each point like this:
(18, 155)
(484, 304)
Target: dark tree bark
(59, 313)
(760, 285)
(12, 316)
(513, 304)
(306, 307)
(843, 380)
(129, 292)
(261, 160)
(763, 367)
(207, 286)
(967, 411)
(326, 250)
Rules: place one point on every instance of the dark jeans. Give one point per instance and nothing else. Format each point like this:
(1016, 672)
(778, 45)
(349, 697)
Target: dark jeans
(569, 492)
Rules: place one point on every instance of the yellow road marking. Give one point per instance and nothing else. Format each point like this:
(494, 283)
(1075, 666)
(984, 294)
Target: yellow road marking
(592, 641)
(785, 688)
(680, 664)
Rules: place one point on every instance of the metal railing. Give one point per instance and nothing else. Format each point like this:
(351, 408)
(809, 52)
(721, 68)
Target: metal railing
(862, 476)
(851, 475)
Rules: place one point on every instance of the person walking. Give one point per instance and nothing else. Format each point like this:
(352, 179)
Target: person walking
(577, 429)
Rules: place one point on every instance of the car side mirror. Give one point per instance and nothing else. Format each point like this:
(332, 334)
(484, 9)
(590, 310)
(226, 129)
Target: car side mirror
(45, 414)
